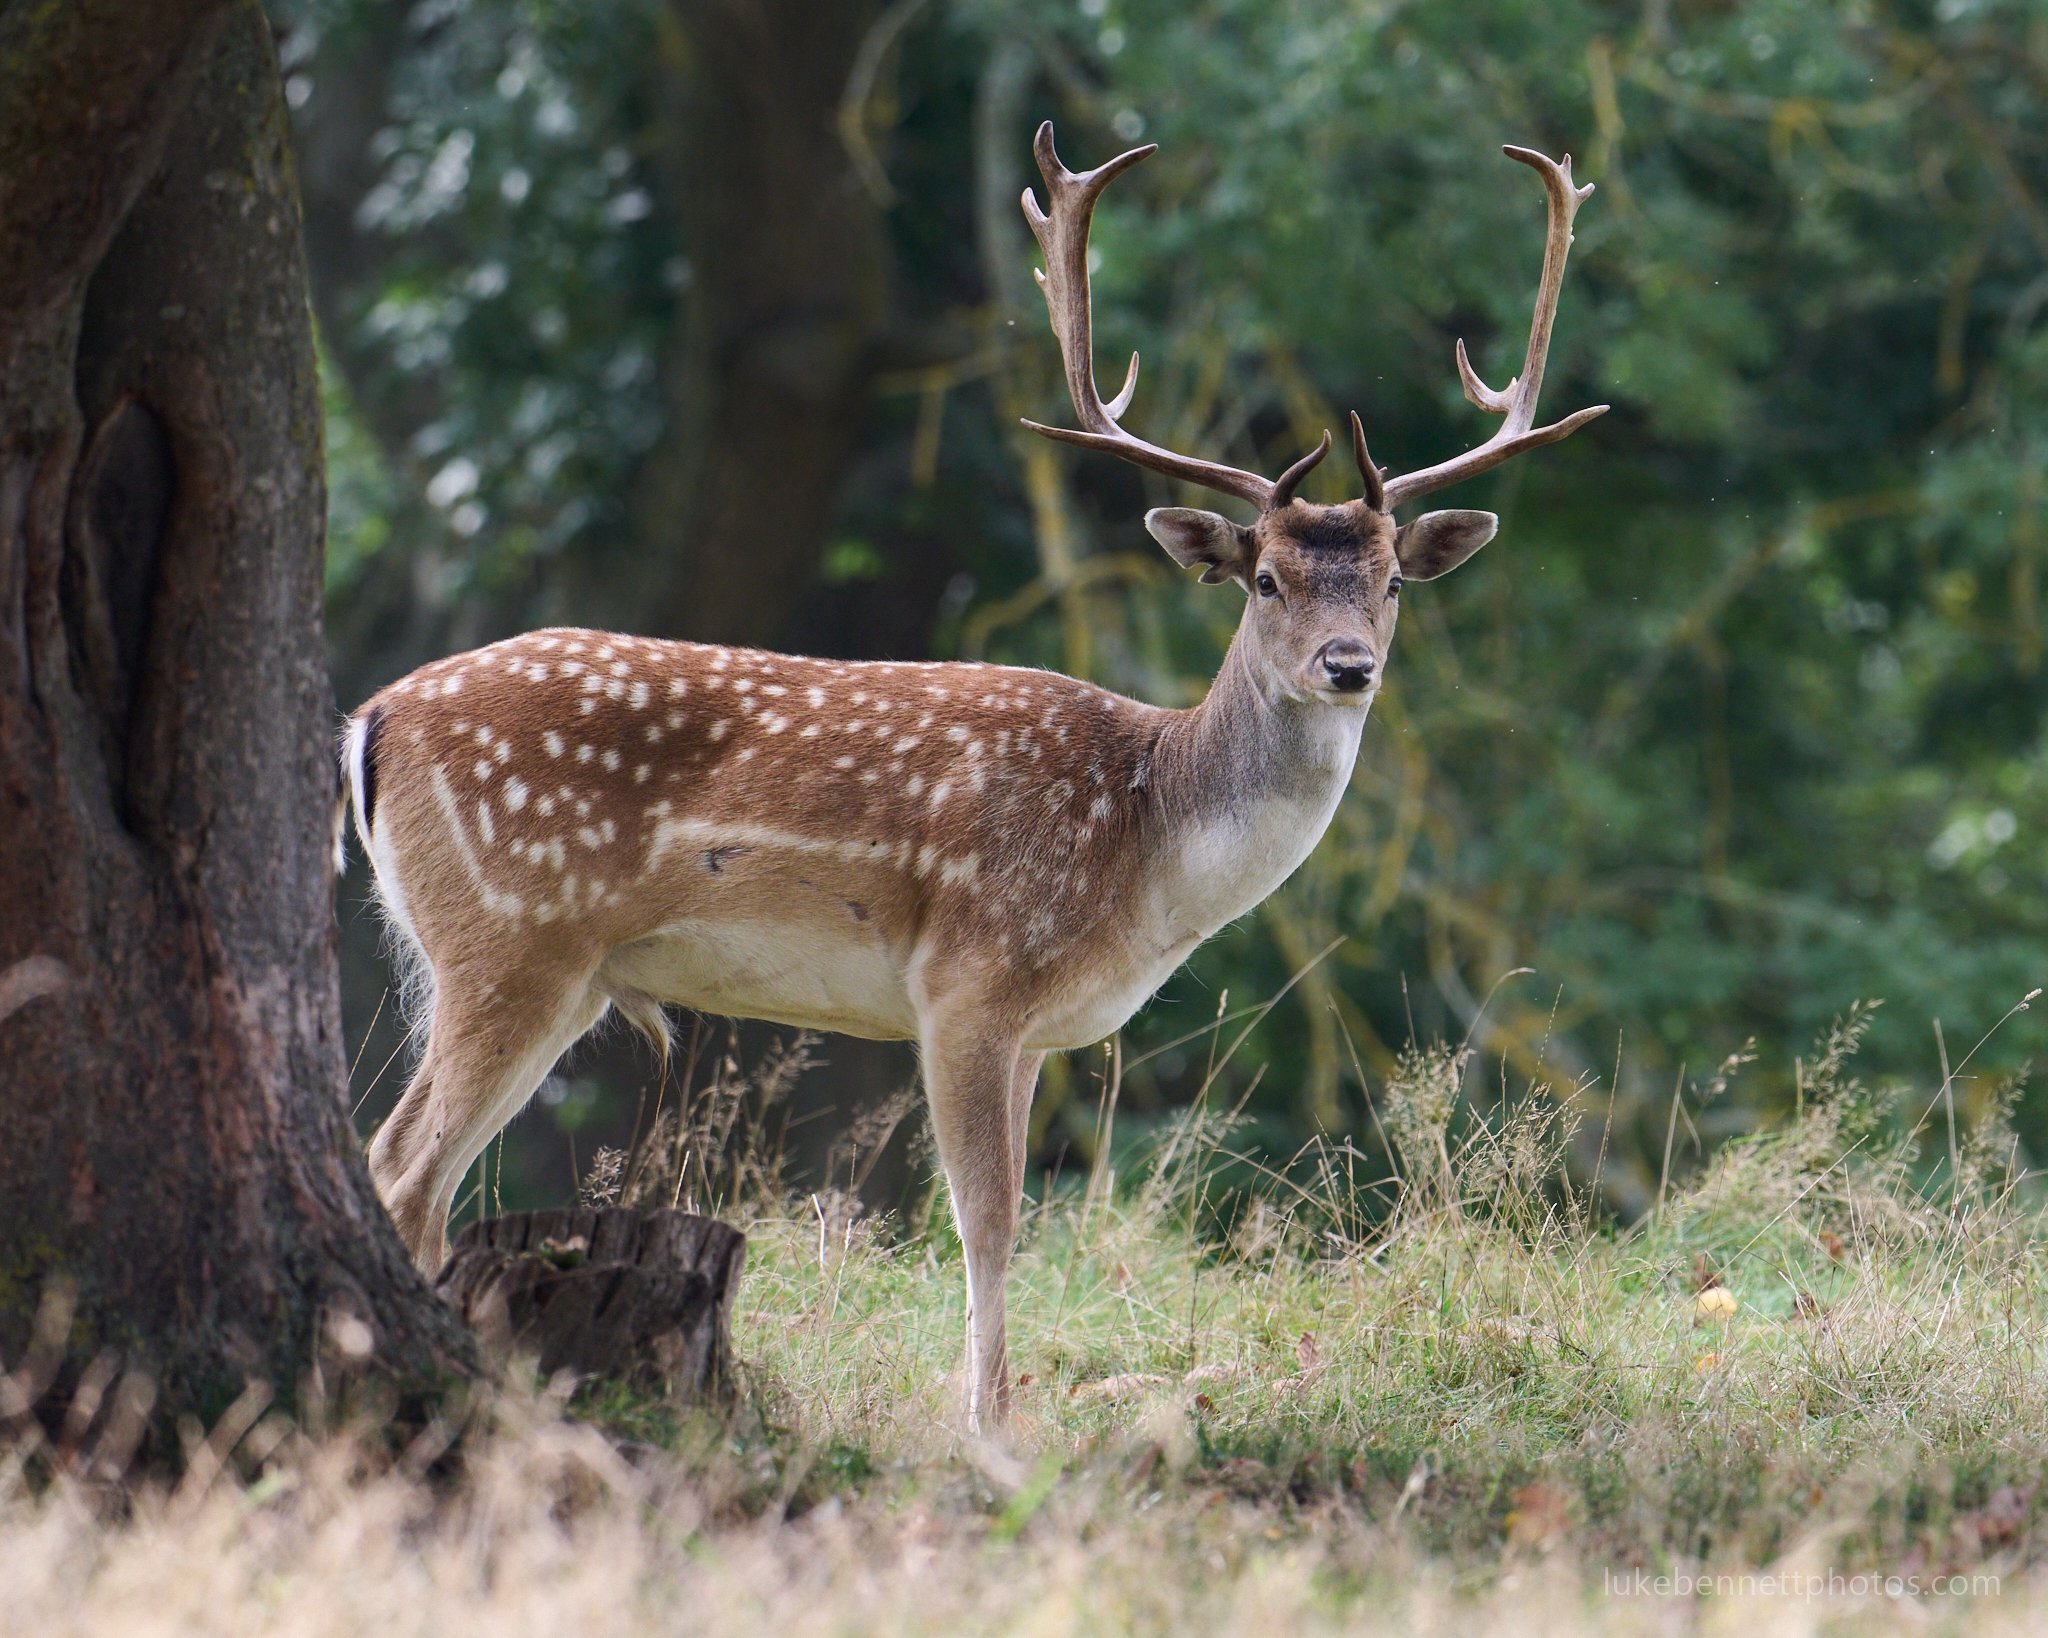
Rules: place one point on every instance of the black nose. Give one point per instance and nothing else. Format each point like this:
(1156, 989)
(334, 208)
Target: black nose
(1348, 664)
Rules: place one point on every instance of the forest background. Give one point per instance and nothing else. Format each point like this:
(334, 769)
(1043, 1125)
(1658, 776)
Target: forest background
(713, 319)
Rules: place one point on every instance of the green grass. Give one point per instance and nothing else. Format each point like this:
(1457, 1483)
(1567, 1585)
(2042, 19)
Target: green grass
(1879, 1370)
(1285, 1408)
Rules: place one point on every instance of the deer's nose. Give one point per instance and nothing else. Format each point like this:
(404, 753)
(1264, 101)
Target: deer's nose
(1348, 664)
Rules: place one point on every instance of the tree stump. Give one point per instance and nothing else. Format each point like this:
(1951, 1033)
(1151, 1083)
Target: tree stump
(633, 1297)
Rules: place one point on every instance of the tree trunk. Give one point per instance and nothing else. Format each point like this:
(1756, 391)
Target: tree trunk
(769, 377)
(171, 1079)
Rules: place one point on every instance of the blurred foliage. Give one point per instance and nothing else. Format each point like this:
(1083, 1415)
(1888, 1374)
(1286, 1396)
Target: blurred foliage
(1737, 722)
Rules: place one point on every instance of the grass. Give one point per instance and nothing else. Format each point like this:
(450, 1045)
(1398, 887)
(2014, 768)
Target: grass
(1289, 1407)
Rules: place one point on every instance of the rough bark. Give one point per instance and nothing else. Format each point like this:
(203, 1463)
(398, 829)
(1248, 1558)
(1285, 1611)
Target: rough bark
(768, 382)
(171, 1080)
(639, 1298)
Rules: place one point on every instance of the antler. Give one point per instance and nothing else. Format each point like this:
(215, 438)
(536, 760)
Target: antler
(1518, 403)
(1062, 235)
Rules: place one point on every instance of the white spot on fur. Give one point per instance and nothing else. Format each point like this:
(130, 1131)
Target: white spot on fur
(611, 761)
(515, 793)
(501, 903)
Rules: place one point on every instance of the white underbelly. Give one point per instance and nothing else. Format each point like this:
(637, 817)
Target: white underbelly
(800, 976)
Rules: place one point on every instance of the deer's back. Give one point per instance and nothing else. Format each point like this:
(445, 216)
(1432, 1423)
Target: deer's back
(758, 833)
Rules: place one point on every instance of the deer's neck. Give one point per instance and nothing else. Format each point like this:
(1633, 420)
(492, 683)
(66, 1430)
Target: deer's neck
(1245, 784)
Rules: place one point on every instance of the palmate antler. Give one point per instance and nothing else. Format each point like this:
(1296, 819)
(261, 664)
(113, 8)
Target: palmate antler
(1518, 403)
(1062, 234)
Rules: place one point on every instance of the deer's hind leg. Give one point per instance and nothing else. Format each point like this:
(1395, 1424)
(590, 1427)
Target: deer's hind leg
(488, 1046)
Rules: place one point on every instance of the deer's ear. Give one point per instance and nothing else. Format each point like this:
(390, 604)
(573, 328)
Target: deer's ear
(1437, 542)
(1191, 537)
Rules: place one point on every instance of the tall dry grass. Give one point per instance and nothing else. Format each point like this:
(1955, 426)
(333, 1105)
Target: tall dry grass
(1441, 1394)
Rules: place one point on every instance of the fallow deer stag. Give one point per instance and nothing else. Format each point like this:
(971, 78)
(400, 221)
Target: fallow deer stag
(992, 862)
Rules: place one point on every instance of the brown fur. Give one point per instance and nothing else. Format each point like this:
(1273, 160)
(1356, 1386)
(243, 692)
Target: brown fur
(990, 861)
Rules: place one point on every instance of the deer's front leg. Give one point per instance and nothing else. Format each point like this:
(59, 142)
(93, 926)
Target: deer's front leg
(969, 1077)
(1023, 1087)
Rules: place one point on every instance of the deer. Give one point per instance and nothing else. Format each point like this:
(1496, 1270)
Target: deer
(992, 862)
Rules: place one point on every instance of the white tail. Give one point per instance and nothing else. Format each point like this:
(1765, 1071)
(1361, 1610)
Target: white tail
(991, 862)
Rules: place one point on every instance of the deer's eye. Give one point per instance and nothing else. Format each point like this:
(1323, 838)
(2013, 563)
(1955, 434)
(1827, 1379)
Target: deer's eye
(1394, 588)
(1268, 586)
